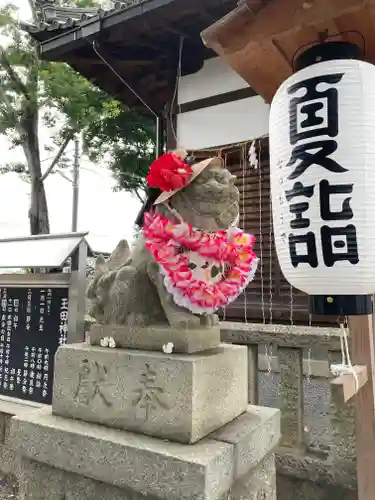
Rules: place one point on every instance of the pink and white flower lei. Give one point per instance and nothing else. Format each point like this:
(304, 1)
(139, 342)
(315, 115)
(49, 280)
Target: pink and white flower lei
(173, 244)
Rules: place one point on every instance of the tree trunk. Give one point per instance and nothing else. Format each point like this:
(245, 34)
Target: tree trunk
(38, 212)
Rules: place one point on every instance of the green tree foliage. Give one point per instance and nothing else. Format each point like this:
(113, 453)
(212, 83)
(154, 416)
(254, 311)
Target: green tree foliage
(35, 94)
(127, 140)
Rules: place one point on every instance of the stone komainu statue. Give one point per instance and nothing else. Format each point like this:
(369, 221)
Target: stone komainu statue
(129, 288)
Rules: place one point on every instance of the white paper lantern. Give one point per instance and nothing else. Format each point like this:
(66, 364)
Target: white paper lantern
(322, 154)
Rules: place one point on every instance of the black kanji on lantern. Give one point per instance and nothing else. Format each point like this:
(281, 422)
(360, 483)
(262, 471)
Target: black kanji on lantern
(303, 249)
(326, 190)
(314, 153)
(298, 209)
(299, 189)
(314, 111)
(313, 128)
(339, 243)
(312, 115)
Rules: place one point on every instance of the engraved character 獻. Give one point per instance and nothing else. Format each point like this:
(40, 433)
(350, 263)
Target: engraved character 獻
(91, 379)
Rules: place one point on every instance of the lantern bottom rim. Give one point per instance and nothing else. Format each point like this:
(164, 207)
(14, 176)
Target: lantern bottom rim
(340, 305)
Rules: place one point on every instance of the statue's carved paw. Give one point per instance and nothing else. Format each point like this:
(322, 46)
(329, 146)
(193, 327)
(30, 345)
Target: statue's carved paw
(209, 320)
(215, 319)
(185, 320)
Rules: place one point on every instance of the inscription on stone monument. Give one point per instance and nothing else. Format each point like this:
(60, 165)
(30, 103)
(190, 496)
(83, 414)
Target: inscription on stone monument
(150, 396)
(91, 379)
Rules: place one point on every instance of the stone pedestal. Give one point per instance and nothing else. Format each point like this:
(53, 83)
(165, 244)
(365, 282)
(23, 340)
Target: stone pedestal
(72, 460)
(171, 396)
(130, 424)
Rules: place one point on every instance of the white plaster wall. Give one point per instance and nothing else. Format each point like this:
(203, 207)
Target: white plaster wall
(229, 123)
(215, 78)
(223, 124)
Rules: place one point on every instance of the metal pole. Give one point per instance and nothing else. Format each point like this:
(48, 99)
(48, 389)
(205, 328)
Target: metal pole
(157, 141)
(160, 124)
(75, 185)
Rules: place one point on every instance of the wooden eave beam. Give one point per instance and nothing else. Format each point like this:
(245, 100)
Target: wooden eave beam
(242, 25)
(246, 37)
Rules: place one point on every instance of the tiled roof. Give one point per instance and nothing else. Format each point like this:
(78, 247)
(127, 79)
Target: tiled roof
(56, 18)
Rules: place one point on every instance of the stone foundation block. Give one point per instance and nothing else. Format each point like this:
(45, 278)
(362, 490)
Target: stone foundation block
(71, 460)
(172, 396)
(253, 435)
(43, 482)
(258, 484)
(154, 338)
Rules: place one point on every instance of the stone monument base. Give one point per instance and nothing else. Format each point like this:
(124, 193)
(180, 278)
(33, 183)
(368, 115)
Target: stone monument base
(181, 397)
(153, 338)
(72, 460)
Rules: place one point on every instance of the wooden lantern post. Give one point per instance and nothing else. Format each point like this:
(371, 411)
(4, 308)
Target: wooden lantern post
(363, 353)
(260, 39)
(362, 392)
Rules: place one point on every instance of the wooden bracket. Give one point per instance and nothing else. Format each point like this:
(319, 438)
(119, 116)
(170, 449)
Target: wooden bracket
(349, 385)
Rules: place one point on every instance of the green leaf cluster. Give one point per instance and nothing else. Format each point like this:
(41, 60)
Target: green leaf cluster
(36, 93)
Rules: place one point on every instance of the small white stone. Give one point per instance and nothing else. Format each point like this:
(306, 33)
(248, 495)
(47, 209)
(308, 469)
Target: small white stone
(104, 342)
(168, 348)
(111, 342)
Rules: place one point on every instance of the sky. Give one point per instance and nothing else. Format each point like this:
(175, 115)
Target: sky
(108, 216)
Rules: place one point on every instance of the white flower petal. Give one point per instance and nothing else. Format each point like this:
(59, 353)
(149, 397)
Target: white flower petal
(104, 342)
(168, 348)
